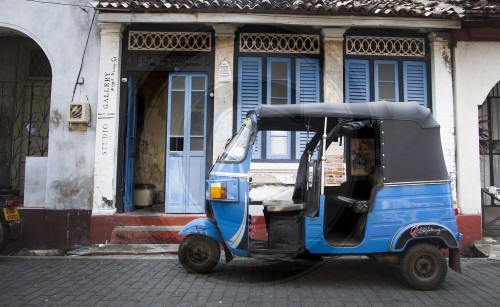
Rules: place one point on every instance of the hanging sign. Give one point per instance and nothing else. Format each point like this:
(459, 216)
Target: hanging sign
(225, 74)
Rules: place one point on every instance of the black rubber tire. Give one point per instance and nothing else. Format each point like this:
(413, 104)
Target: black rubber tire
(423, 266)
(199, 254)
(4, 233)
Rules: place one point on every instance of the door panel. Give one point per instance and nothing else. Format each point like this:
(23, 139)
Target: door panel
(174, 200)
(128, 199)
(196, 186)
(186, 132)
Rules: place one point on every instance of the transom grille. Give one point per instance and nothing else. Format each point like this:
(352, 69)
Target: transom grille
(170, 41)
(393, 46)
(39, 65)
(279, 43)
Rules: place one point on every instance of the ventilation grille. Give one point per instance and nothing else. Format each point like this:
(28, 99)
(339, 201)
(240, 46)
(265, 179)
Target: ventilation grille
(39, 65)
(393, 46)
(170, 41)
(279, 43)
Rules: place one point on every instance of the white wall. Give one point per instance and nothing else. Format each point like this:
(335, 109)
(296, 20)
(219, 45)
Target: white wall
(442, 98)
(477, 70)
(61, 31)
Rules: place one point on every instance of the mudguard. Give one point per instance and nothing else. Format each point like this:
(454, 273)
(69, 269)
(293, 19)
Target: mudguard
(417, 231)
(202, 226)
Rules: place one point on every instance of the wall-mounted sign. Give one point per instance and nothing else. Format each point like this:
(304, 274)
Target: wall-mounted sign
(225, 74)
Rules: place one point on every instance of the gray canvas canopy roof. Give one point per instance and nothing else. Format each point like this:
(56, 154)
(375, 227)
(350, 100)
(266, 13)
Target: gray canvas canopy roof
(295, 117)
(410, 140)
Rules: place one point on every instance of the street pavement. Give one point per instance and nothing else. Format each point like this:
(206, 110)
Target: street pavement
(161, 281)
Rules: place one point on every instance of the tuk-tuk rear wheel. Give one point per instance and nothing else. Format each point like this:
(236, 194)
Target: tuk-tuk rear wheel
(4, 233)
(199, 254)
(423, 266)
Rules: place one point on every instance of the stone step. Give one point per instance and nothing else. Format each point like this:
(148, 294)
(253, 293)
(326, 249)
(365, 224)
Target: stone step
(146, 235)
(102, 227)
(152, 229)
(158, 219)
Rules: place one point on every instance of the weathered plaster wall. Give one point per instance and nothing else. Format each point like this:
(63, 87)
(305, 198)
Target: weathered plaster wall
(61, 31)
(476, 72)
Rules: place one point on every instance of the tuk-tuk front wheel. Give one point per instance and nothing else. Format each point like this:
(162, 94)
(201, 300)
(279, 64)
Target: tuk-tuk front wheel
(4, 233)
(423, 266)
(199, 254)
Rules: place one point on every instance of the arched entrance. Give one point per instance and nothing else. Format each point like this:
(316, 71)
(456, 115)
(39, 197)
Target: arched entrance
(25, 90)
(489, 148)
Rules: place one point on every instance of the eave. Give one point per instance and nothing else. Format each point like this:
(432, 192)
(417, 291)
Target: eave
(424, 24)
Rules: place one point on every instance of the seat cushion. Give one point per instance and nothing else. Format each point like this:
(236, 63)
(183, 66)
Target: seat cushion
(277, 205)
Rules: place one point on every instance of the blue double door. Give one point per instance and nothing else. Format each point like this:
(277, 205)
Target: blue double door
(185, 143)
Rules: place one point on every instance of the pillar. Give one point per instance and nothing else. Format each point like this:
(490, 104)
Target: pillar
(333, 65)
(223, 86)
(333, 92)
(106, 147)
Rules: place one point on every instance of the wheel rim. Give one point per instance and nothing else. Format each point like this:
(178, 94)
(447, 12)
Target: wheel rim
(425, 267)
(199, 253)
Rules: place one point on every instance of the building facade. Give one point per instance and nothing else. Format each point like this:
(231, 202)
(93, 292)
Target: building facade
(48, 58)
(169, 82)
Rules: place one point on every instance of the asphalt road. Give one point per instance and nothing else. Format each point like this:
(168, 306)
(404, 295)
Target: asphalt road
(161, 281)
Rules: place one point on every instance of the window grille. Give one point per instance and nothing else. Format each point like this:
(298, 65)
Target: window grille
(279, 43)
(392, 46)
(170, 41)
(39, 65)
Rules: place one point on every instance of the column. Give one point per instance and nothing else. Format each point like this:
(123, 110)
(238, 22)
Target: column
(333, 92)
(333, 65)
(107, 119)
(223, 86)
(442, 98)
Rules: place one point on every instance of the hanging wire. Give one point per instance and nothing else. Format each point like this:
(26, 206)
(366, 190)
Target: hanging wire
(83, 56)
(58, 3)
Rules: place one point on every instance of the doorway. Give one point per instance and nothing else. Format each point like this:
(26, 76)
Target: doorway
(25, 98)
(165, 142)
(489, 148)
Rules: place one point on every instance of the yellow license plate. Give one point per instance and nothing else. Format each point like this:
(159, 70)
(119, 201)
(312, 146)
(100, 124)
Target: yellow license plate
(11, 214)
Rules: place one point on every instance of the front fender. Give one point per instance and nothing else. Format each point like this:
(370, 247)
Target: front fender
(202, 226)
(417, 231)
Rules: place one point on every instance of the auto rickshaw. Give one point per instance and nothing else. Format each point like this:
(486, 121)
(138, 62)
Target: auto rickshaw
(395, 206)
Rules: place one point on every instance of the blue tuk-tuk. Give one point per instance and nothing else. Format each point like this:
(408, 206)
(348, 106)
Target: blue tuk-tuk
(395, 205)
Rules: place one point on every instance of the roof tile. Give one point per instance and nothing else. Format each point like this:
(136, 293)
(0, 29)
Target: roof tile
(451, 9)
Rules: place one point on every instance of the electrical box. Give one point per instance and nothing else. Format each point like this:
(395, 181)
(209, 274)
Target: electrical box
(78, 112)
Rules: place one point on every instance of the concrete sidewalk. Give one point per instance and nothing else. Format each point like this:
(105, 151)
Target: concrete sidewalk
(124, 249)
(488, 247)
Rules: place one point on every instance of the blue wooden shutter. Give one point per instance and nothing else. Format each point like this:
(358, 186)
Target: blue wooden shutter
(249, 91)
(307, 91)
(415, 82)
(357, 81)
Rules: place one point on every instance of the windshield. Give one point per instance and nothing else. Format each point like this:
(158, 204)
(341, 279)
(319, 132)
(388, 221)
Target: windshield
(237, 148)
